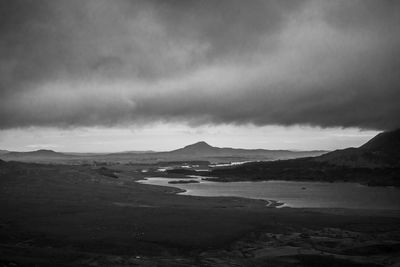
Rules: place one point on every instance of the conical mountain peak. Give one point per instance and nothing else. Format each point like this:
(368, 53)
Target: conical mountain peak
(199, 144)
(198, 148)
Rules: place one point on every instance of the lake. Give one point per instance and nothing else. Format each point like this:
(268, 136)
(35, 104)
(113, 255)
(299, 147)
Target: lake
(294, 194)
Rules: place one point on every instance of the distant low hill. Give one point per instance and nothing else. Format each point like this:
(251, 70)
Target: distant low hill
(35, 156)
(36, 153)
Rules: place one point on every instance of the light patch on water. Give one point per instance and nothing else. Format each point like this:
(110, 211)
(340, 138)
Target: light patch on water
(293, 194)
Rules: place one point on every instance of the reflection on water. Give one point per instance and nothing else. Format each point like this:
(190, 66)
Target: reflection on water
(234, 163)
(295, 194)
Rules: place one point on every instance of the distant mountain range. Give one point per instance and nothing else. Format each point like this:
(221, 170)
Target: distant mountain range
(377, 162)
(381, 151)
(197, 151)
(204, 149)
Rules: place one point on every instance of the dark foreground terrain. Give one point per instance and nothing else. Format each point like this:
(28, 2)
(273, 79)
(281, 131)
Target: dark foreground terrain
(55, 215)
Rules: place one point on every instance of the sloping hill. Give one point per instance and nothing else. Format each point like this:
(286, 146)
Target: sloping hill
(386, 142)
(375, 163)
(381, 151)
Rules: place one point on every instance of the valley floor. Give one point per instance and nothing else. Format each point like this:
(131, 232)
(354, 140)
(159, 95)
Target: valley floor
(55, 215)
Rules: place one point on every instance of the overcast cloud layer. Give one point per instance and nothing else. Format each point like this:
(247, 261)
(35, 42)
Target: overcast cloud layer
(98, 62)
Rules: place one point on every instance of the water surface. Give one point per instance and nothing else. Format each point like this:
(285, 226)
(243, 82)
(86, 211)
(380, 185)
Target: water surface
(295, 194)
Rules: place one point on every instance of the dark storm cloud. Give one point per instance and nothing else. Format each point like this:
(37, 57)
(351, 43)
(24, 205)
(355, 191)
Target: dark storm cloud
(84, 63)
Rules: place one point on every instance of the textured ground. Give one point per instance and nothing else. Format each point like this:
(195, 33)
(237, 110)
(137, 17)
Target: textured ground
(77, 216)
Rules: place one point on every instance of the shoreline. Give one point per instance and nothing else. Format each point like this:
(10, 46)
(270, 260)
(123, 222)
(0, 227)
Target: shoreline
(212, 177)
(275, 203)
(225, 180)
(270, 203)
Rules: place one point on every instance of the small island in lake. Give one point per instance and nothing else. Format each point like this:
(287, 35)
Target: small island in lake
(184, 182)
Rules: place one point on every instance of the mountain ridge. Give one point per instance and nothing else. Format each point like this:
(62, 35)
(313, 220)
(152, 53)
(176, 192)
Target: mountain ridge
(376, 163)
(383, 150)
(196, 151)
(204, 147)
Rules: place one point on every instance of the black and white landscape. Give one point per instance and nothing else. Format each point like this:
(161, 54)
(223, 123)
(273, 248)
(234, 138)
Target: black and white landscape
(199, 133)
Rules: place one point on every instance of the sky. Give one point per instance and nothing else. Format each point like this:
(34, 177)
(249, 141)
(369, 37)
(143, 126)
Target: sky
(120, 75)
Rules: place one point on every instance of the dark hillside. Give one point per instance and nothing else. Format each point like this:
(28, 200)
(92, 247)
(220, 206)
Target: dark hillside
(375, 163)
(381, 151)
